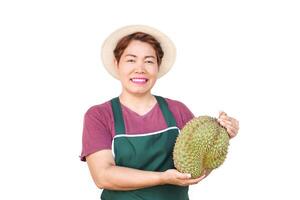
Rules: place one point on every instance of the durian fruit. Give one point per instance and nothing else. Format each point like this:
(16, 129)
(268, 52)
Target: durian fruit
(202, 144)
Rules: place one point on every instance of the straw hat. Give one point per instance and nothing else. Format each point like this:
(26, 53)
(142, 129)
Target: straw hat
(110, 43)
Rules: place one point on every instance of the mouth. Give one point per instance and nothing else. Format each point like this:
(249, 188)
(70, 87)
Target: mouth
(139, 80)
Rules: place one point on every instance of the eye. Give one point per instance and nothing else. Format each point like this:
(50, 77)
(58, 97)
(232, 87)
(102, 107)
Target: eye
(149, 61)
(130, 60)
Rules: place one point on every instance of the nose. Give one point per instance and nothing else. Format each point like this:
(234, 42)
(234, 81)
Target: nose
(140, 67)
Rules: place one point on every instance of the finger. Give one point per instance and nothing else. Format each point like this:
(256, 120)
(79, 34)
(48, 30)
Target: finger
(222, 113)
(204, 173)
(225, 122)
(232, 132)
(227, 118)
(183, 176)
(230, 127)
(234, 121)
(233, 127)
(224, 117)
(196, 180)
(208, 171)
(193, 181)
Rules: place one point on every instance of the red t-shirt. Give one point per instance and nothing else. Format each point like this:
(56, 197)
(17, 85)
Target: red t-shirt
(98, 127)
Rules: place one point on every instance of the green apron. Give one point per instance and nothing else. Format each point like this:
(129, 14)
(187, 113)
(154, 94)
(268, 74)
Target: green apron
(145, 151)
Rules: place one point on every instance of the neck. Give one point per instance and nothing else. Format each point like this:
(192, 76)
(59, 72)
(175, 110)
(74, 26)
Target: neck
(140, 103)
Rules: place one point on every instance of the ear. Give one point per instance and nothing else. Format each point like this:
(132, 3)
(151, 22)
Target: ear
(116, 66)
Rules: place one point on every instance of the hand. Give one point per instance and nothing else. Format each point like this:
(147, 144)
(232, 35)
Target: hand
(231, 124)
(174, 177)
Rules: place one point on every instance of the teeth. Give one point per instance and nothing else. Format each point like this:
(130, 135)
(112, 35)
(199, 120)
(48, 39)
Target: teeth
(139, 80)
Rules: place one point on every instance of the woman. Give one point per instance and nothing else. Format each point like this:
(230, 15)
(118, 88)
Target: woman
(128, 141)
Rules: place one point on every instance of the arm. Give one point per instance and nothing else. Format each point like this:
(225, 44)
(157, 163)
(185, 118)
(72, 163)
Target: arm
(107, 175)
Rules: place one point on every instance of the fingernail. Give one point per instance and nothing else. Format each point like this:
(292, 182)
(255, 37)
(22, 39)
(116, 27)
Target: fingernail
(189, 175)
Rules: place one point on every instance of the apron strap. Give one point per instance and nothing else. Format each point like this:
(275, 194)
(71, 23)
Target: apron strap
(169, 118)
(118, 116)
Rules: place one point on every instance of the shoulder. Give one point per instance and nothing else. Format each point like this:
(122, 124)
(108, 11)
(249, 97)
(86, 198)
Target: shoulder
(99, 109)
(180, 111)
(99, 112)
(175, 104)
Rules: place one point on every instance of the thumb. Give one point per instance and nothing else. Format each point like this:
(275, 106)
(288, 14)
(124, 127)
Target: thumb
(221, 112)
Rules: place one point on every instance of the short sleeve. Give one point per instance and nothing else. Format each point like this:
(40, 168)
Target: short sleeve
(96, 134)
(186, 114)
(181, 112)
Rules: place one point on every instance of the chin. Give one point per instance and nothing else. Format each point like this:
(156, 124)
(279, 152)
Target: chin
(139, 92)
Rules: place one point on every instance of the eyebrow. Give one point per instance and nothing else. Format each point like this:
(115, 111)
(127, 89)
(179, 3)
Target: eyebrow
(149, 57)
(136, 56)
(130, 55)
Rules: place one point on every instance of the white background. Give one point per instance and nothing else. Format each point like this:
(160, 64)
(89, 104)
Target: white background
(237, 56)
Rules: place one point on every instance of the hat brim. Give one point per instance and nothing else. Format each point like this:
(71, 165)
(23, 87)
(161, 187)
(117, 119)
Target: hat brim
(110, 43)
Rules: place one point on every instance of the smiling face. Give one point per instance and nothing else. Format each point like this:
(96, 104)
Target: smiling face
(137, 68)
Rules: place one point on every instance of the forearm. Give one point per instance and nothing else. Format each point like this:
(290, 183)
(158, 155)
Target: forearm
(123, 178)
